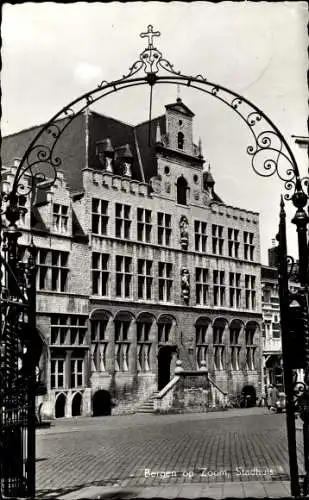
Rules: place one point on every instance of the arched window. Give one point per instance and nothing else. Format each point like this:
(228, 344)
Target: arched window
(235, 343)
(180, 140)
(201, 327)
(122, 324)
(165, 324)
(218, 343)
(182, 189)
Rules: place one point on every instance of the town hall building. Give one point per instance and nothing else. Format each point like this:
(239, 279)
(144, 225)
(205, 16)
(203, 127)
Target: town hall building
(140, 264)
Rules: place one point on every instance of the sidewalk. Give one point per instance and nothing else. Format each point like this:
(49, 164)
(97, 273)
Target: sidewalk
(249, 489)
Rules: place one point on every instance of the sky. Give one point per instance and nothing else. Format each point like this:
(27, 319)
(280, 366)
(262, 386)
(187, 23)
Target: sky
(52, 53)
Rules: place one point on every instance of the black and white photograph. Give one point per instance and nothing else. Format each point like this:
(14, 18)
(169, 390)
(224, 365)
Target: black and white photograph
(154, 334)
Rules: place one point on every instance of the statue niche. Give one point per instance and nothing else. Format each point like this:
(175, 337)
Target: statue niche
(185, 285)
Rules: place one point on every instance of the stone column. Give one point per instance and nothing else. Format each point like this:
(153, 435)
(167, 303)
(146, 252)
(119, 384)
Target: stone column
(133, 347)
(210, 348)
(110, 351)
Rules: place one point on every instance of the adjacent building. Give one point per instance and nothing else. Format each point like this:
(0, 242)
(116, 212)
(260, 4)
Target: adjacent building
(140, 263)
(271, 330)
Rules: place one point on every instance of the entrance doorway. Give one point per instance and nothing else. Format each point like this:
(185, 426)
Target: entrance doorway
(60, 406)
(165, 355)
(101, 404)
(248, 396)
(77, 405)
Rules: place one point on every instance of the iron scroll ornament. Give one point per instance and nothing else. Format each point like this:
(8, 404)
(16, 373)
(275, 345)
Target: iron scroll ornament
(269, 151)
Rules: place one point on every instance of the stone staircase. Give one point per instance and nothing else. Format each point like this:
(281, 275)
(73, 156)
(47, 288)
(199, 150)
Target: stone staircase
(148, 405)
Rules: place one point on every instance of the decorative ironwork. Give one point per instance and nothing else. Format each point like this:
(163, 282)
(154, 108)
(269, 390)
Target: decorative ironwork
(270, 154)
(19, 354)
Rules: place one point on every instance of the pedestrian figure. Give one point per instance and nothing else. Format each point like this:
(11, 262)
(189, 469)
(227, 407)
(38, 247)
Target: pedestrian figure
(274, 398)
(269, 394)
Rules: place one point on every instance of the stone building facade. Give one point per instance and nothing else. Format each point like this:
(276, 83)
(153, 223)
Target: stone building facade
(140, 263)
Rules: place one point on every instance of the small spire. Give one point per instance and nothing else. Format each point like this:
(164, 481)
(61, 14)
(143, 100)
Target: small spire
(200, 152)
(158, 134)
(178, 93)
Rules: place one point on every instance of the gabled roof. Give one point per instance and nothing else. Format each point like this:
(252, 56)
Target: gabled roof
(180, 107)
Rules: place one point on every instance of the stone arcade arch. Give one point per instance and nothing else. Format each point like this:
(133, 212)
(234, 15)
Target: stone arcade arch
(77, 403)
(60, 405)
(202, 328)
(101, 403)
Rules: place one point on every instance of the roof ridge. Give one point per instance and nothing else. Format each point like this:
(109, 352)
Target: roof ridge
(27, 129)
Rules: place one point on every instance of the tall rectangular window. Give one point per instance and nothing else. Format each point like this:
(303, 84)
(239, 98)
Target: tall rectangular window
(217, 239)
(123, 276)
(219, 288)
(233, 242)
(164, 229)
(57, 373)
(218, 331)
(165, 281)
(250, 291)
(200, 229)
(250, 349)
(248, 246)
(201, 344)
(235, 290)
(77, 373)
(99, 216)
(60, 217)
(98, 345)
(235, 348)
(52, 270)
(122, 346)
(145, 278)
(123, 221)
(144, 225)
(143, 346)
(100, 273)
(202, 286)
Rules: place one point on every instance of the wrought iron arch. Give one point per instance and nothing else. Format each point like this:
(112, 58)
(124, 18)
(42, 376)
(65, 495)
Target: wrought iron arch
(269, 152)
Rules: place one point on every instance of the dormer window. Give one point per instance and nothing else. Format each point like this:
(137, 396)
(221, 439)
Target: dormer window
(182, 189)
(180, 139)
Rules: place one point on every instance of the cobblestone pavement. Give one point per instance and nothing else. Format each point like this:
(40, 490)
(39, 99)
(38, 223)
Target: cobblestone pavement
(238, 446)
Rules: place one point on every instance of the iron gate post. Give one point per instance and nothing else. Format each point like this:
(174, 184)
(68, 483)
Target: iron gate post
(286, 350)
(301, 220)
(17, 368)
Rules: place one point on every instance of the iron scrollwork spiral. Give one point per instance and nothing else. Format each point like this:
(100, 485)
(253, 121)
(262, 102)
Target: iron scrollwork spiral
(301, 397)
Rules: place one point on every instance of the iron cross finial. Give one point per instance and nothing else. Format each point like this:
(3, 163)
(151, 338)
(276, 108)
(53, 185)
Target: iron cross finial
(150, 34)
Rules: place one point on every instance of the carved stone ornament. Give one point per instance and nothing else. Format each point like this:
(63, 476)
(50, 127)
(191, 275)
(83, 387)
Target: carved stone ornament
(206, 199)
(185, 285)
(156, 184)
(196, 195)
(184, 235)
(168, 187)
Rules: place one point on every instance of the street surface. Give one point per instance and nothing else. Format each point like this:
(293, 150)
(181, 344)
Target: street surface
(239, 445)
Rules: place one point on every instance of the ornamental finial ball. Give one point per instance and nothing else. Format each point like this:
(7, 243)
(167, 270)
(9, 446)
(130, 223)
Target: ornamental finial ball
(179, 367)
